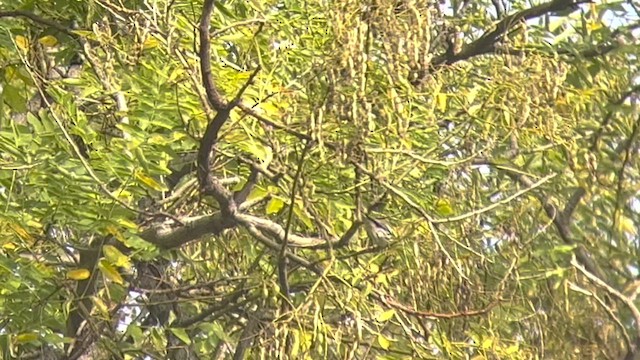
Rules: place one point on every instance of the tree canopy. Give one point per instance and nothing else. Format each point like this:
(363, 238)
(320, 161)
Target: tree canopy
(192, 179)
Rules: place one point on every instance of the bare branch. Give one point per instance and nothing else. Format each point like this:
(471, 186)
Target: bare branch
(434, 315)
(562, 225)
(282, 259)
(618, 295)
(573, 201)
(241, 196)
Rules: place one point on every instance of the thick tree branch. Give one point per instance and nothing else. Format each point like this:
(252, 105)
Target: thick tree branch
(248, 334)
(213, 96)
(193, 229)
(486, 43)
(208, 182)
(38, 20)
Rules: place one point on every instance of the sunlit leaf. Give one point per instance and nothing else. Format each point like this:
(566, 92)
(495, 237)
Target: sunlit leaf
(113, 230)
(21, 232)
(274, 205)
(385, 316)
(22, 42)
(512, 349)
(110, 272)
(48, 41)
(383, 342)
(626, 225)
(115, 257)
(101, 306)
(487, 343)
(150, 43)
(443, 207)
(78, 274)
(150, 182)
(303, 216)
(14, 98)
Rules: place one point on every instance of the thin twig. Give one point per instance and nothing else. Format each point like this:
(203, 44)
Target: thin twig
(282, 259)
(613, 292)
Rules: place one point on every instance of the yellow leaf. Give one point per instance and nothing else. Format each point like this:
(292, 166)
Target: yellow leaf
(441, 99)
(486, 343)
(295, 347)
(9, 246)
(473, 109)
(150, 43)
(33, 224)
(471, 95)
(115, 232)
(443, 207)
(48, 41)
(626, 226)
(22, 43)
(594, 25)
(383, 342)
(78, 274)
(21, 232)
(127, 223)
(302, 215)
(386, 315)
(110, 272)
(512, 349)
(115, 257)
(150, 182)
(101, 306)
(274, 206)
(507, 116)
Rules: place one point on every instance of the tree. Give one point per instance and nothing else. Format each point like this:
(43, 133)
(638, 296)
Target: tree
(190, 180)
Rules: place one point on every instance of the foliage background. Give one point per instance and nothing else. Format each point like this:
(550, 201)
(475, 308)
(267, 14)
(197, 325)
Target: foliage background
(498, 139)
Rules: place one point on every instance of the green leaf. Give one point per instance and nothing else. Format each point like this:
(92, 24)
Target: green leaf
(181, 334)
(136, 333)
(564, 249)
(302, 215)
(26, 338)
(13, 97)
(6, 347)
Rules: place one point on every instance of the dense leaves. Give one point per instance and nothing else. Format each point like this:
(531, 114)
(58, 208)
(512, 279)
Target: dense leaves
(174, 188)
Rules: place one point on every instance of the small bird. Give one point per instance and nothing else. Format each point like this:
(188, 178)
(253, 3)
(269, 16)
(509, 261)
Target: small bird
(378, 231)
